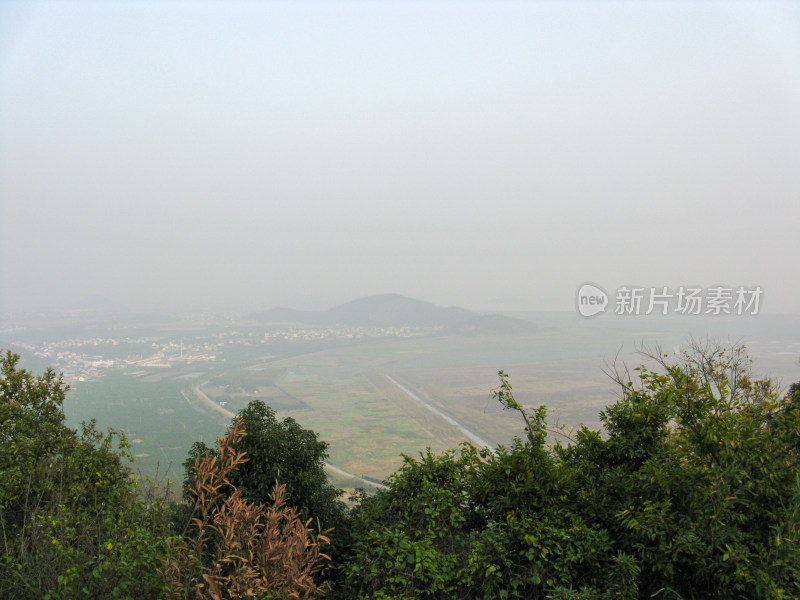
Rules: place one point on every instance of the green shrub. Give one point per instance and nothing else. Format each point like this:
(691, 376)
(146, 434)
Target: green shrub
(73, 522)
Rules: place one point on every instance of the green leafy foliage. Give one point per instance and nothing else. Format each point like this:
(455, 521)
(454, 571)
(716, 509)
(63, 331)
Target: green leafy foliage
(73, 524)
(281, 450)
(691, 490)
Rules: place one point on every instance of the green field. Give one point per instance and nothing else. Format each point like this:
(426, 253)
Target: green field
(159, 423)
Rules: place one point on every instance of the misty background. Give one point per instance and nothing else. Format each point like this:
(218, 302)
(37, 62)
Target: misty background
(489, 155)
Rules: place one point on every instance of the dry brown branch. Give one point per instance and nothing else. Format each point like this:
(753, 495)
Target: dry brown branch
(238, 549)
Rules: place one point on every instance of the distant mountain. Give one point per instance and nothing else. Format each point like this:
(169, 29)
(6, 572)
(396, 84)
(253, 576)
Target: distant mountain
(491, 325)
(394, 310)
(387, 310)
(384, 310)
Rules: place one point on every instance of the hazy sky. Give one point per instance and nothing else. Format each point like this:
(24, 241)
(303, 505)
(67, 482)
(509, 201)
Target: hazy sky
(481, 154)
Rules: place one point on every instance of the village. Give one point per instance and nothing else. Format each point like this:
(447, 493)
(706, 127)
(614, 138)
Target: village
(88, 359)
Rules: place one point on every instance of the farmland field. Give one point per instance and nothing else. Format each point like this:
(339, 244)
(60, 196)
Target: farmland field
(342, 388)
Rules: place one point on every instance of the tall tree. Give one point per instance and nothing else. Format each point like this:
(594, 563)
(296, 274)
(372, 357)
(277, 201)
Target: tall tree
(280, 450)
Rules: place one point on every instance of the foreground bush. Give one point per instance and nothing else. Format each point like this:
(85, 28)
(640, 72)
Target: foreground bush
(73, 523)
(236, 548)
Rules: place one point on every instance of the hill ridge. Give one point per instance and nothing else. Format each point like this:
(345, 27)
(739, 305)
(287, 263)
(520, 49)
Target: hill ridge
(397, 310)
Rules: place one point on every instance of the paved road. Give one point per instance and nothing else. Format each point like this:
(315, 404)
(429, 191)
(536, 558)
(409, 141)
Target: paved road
(474, 437)
(348, 474)
(211, 404)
